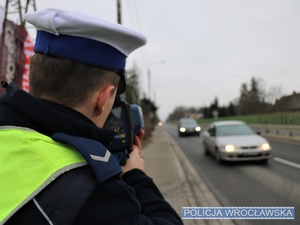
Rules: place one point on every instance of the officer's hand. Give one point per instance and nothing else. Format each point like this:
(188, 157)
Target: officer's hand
(135, 161)
(138, 139)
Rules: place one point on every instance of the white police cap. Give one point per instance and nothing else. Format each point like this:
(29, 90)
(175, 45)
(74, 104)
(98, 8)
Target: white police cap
(84, 38)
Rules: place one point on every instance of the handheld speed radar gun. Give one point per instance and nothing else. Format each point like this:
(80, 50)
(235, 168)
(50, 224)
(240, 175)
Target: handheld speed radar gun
(126, 120)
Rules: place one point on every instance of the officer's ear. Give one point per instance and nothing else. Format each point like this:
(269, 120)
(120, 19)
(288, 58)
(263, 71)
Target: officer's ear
(105, 98)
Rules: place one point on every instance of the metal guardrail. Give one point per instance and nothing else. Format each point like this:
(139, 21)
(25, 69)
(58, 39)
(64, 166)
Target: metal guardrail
(286, 132)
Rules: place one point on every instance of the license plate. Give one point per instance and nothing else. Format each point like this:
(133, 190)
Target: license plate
(249, 153)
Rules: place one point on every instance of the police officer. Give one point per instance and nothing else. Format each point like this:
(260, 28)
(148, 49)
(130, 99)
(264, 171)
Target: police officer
(54, 166)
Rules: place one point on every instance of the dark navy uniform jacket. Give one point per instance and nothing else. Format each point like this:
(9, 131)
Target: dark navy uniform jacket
(76, 197)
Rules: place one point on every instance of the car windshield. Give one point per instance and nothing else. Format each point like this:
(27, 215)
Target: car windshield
(188, 123)
(234, 129)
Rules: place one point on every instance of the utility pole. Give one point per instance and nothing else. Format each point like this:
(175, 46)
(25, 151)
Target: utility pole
(119, 20)
(119, 12)
(149, 76)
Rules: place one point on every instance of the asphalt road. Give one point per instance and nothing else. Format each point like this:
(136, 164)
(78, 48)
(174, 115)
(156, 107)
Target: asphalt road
(276, 183)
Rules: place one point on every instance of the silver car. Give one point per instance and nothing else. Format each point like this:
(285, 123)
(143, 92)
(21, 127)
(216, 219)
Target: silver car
(235, 141)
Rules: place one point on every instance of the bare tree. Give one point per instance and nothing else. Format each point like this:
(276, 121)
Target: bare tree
(274, 93)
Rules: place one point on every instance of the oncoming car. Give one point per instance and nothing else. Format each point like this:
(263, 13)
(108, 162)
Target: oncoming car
(188, 126)
(235, 141)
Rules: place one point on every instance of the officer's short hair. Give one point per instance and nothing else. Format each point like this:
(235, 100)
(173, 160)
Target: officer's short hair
(62, 79)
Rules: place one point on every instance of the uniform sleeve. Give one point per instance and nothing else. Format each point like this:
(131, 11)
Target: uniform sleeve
(153, 206)
(132, 200)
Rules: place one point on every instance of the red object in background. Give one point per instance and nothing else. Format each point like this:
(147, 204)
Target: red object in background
(28, 51)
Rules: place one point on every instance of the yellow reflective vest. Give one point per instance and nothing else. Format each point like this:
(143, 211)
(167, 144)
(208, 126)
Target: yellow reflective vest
(29, 161)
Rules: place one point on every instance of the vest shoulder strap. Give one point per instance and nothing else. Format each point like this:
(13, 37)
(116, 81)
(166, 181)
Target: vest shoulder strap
(102, 162)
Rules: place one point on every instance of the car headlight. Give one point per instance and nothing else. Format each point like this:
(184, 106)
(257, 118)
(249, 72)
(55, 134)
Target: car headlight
(182, 129)
(265, 146)
(197, 129)
(230, 148)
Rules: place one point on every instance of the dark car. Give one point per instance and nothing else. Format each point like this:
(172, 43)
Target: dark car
(188, 126)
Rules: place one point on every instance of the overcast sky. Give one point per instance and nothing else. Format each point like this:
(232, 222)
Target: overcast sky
(201, 49)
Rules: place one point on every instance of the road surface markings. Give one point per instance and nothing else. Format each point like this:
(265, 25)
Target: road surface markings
(286, 162)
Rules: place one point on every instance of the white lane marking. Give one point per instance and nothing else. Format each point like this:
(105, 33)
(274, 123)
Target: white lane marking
(286, 162)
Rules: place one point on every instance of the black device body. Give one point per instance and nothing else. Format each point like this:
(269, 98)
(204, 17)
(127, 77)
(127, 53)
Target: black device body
(126, 120)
